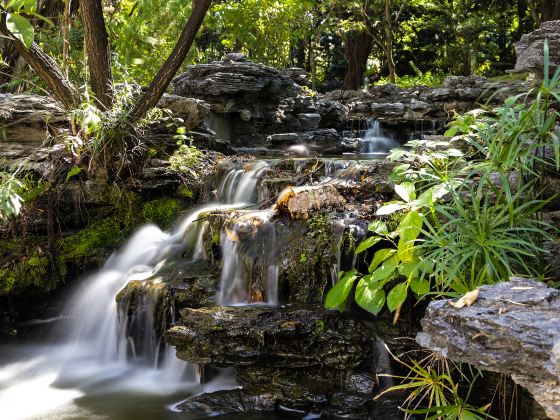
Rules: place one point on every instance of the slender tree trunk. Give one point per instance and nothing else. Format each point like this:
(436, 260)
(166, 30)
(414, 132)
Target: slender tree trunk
(98, 52)
(389, 41)
(46, 68)
(65, 40)
(164, 76)
(357, 47)
(534, 12)
(550, 10)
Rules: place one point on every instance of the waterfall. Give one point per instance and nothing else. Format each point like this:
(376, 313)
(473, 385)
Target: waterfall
(249, 273)
(375, 141)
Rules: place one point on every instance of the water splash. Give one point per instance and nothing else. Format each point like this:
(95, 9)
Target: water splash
(375, 141)
(249, 273)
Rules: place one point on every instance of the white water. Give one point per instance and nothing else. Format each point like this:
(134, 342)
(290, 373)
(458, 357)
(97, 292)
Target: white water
(98, 356)
(253, 279)
(375, 141)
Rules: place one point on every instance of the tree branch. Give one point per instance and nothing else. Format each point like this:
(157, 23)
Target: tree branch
(46, 68)
(168, 70)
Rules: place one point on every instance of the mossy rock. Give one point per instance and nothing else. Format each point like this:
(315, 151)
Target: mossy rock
(30, 272)
(162, 211)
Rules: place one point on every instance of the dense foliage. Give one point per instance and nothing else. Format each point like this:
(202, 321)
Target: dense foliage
(337, 41)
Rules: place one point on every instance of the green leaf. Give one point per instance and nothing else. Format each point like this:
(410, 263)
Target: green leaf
(409, 229)
(424, 200)
(20, 28)
(336, 298)
(420, 286)
(409, 269)
(390, 209)
(379, 227)
(397, 296)
(76, 170)
(367, 243)
(451, 131)
(406, 191)
(369, 296)
(381, 256)
(386, 270)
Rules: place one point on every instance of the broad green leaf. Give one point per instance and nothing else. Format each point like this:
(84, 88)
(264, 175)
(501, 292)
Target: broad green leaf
(406, 191)
(397, 296)
(381, 256)
(379, 227)
(336, 298)
(409, 229)
(386, 270)
(20, 28)
(409, 269)
(367, 243)
(424, 200)
(451, 131)
(390, 209)
(76, 170)
(369, 296)
(420, 286)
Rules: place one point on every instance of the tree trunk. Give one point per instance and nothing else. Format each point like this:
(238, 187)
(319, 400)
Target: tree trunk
(164, 76)
(534, 12)
(390, 39)
(98, 52)
(357, 47)
(46, 68)
(550, 10)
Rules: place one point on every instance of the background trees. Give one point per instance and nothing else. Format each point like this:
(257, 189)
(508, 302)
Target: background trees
(338, 41)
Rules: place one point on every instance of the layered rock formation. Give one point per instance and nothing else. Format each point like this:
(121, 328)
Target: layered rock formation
(299, 358)
(512, 328)
(422, 109)
(530, 49)
(253, 105)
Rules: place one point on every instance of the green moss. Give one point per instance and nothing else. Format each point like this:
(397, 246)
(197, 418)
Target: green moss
(31, 271)
(185, 192)
(94, 242)
(162, 211)
(310, 254)
(319, 326)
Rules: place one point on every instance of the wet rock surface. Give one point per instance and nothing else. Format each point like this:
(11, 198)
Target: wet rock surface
(530, 49)
(302, 202)
(302, 358)
(512, 328)
(269, 337)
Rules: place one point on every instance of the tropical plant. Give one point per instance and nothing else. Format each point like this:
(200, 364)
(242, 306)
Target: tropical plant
(433, 390)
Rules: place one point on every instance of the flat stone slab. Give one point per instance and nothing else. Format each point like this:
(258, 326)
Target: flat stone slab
(512, 328)
(262, 336)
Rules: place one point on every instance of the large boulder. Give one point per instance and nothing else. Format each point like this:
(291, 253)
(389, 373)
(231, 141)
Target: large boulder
(530, 49)
(270, 337)
(512, 328)
(256, 106)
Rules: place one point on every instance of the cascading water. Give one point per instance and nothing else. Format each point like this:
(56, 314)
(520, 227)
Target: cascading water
(250, 273)
(375, 141)
(113, 333)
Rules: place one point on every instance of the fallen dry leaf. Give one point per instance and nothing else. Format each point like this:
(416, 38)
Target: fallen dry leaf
(283, 200)
(467, 300)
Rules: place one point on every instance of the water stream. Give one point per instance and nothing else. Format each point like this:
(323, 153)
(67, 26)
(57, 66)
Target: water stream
(376, 141)
(105, 348)
(106, 357)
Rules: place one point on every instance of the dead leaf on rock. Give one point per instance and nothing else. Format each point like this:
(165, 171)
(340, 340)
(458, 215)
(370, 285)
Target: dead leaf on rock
(284, 198)
(467, 300)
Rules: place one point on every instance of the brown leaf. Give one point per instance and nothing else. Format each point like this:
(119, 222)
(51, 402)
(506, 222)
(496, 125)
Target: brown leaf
(467, 300)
